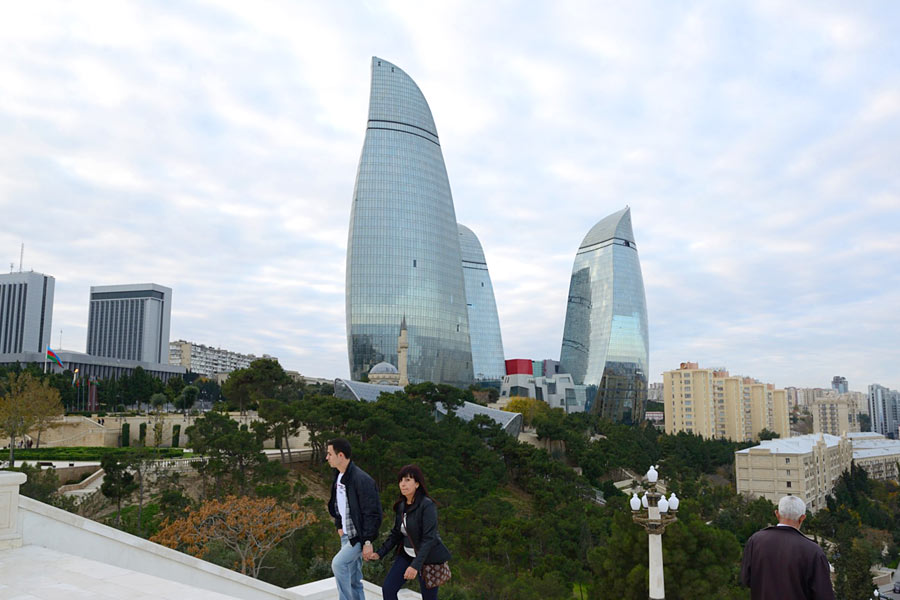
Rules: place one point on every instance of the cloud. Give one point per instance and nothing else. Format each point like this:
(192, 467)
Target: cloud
(213, 149)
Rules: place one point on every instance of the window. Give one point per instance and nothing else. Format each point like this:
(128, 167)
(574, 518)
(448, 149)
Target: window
(787, 461)
(789, 484)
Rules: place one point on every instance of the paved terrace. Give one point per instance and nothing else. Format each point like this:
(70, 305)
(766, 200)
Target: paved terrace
(50, 554)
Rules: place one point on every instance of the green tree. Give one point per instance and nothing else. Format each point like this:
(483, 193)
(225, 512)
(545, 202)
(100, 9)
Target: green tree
(173, 388)
(232, 452)
(853, 579)
(187, 398)
(765, 434)
(17, 416)
(118, 482)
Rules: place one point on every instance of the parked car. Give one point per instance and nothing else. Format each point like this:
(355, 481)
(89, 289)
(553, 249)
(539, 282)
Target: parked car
(897, 587)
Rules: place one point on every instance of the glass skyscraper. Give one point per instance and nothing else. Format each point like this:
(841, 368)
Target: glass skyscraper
(484, 324)
(606, 343)
(403, 253)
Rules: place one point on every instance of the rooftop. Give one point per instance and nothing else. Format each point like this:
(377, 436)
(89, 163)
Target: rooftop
(800, 444)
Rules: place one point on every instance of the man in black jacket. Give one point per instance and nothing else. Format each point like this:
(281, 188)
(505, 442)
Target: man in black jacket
(781, 563)
(356, 508)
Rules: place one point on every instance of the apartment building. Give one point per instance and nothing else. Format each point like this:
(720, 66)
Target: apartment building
(806, 466)
(876, 454)
(834, 414)
(206, 360)
(715, 404)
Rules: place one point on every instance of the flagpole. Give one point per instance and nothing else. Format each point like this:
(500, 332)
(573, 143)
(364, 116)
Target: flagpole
(45, 360)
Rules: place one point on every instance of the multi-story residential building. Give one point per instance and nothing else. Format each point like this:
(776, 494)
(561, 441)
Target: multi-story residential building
(484, 323)
(130, 322)
(206, 360)
(834, 414)
(715, 404)
(884, 410)
(26, 310)
(876, 454)
(806, 466)
(606, 340)
(403, 250)
(542, 380)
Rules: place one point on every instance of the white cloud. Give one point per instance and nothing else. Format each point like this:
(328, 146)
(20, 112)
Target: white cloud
(213, 149)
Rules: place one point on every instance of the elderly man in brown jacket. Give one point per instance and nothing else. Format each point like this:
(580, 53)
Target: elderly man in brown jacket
(780, 563)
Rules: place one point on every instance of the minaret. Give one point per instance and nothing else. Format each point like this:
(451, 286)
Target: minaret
(402, 352)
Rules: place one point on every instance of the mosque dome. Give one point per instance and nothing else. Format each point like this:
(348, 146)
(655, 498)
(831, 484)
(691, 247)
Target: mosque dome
(383, 368)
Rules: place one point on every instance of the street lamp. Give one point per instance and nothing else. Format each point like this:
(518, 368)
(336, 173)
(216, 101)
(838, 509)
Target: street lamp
(660, 513)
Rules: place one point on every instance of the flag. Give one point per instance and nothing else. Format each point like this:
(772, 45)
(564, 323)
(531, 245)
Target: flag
(51, 356)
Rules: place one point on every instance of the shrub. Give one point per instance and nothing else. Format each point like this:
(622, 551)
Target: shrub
(126, 435)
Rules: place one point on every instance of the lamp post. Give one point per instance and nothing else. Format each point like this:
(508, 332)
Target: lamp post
(660, 513)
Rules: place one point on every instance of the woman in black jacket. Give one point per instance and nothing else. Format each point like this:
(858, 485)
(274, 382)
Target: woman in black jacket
(415, 535)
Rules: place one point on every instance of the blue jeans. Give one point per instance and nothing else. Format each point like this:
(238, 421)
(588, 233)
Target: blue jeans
(394, 580)
(347, 568)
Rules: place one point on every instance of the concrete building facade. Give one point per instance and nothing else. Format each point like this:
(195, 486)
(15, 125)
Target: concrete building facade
(834, 414)
(715, 404)
(884, 410)
(542, 380)
(207, 360)
(878, 455)
(26, 312)
(806, 466)
(130, 322)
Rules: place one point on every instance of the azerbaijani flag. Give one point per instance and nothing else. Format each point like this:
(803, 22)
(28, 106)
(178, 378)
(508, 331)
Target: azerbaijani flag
(51, 356)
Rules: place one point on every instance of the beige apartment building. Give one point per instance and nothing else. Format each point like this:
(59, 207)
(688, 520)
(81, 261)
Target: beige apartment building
(876, 454)
(715, 404)
(806, 466)
(834, 414)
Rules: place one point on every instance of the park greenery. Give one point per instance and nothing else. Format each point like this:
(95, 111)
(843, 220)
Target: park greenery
(522, 522)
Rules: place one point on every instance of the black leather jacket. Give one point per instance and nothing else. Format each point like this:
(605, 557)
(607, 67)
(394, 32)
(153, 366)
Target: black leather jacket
(363, 503)
(421, 525)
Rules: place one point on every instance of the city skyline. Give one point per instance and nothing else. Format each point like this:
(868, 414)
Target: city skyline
(213, 148)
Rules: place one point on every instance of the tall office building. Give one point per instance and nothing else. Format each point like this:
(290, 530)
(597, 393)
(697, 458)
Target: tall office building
(403, 254)
(130, 322)
(839, 384)
(484, 323)
(606, 343)
(26, 309)
(884, 410)
(715, 404)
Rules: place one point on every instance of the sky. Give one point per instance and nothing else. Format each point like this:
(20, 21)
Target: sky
(212, 147)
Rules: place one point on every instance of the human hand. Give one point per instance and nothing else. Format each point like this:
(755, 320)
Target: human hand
(367, 552)
(340, 532)
(410, 573)
(375, 556)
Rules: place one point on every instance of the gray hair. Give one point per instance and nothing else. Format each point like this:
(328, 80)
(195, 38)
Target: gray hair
(791, 508)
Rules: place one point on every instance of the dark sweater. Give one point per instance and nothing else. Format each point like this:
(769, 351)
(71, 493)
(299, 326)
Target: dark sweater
(780, 563)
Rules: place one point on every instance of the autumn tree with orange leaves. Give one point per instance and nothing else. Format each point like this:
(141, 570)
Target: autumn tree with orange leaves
(251, 527)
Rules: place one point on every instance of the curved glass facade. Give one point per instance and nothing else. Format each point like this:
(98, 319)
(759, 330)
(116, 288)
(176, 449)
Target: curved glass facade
(484, 324)
(403, 255)
(606, 343)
